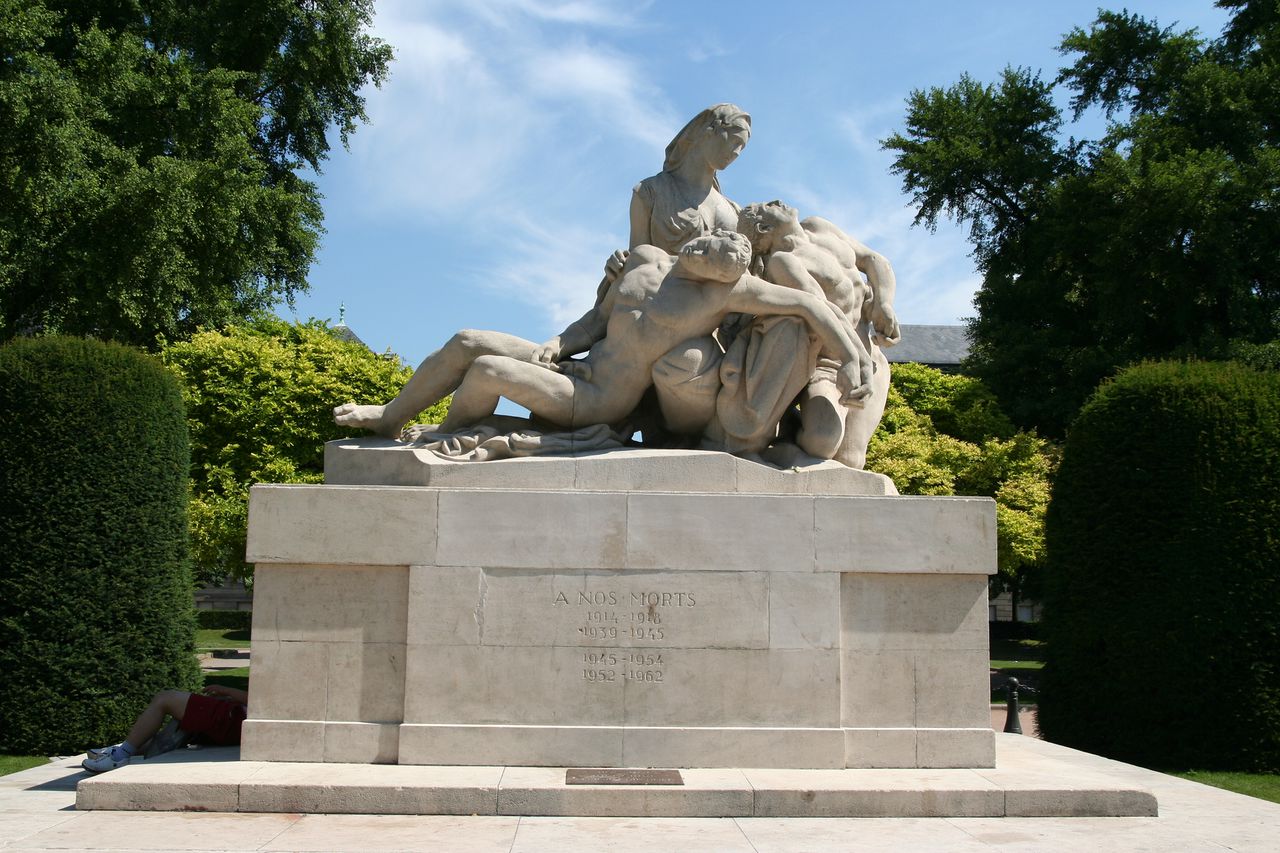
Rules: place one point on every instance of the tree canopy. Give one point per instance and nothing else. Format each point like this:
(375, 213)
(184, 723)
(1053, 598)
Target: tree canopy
(153, 156)
(1161, 238)
(259, 398)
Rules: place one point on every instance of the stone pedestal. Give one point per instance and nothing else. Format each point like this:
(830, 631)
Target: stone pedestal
(585, 625)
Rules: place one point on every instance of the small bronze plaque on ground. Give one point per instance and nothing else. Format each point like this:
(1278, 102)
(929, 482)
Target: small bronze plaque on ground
(621, 776)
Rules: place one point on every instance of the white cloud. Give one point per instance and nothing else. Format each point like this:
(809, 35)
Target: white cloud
(553, 271)
(707, 49)
(463, 126)
(600, 13)
(608, 86)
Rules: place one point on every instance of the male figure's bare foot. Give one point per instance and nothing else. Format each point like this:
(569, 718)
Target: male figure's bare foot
(365, 417)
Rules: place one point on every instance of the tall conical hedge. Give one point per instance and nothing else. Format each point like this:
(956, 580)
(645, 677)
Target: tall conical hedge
(1162, 600)
(95, 589)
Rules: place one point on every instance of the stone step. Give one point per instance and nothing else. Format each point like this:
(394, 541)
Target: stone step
(1028, 781)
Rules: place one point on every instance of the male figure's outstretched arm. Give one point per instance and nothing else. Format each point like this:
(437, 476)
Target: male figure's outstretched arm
(751, 295)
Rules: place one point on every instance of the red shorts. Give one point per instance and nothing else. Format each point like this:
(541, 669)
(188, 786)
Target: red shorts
(216, 720)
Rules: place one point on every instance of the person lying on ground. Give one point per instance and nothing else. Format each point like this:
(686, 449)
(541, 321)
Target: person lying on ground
(215, 715)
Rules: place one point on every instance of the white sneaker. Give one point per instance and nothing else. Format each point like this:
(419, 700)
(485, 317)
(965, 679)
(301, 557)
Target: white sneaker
(106, 761)
(102, 750)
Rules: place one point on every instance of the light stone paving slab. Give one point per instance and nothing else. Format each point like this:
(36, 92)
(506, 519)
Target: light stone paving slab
(371, 789)
(106, 830)
(864, 835)
(341, 788)
(629, 835)
(421, 833)
(874, 793)
(15, 826)
(1193, 817)
(1094, 835)
(170, 786)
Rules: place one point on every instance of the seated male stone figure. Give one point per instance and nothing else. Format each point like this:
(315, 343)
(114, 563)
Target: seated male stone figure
(815, 256)
(656, 302)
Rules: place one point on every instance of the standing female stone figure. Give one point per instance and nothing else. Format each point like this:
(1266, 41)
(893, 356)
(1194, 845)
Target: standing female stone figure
(684, 201)
(668, 210)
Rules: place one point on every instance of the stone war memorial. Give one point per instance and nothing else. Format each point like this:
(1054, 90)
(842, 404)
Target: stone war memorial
(674, 569)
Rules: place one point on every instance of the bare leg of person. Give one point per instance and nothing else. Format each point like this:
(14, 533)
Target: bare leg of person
(438, 375)
(544, 392)
(172, 703)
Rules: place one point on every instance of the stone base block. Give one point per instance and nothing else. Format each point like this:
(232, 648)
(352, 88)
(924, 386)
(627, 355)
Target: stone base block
(1032, 779)
(616, 618)
(330, 742)
(618, 746)
(385, 462)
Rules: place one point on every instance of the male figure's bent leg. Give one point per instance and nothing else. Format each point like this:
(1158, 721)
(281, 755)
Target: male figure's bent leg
(438, 375)
(541, 390)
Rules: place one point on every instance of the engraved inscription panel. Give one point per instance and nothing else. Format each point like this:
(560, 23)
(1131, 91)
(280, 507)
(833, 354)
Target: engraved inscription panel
(601, 648)
(644, 610)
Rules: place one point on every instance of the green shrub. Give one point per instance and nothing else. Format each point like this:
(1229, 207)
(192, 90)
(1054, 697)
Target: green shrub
(259, 404)
(943, 434)
(95, 583)
(1162, 599)
(238, 620)
(959, 406)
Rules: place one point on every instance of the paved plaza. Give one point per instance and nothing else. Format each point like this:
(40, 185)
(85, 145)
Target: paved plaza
(37, 812)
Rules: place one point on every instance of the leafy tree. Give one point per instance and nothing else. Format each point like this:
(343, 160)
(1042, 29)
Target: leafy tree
(944, 434)
(1160, 238)
(153, 152)
(259, 401)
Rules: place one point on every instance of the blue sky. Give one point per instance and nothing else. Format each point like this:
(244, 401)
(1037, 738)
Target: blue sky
(494, 177)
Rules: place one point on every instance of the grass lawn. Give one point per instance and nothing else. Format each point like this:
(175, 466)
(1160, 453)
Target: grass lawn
(221, 638)
(1264, 786)
(1020, 659)
(238, 678)
(14, 763)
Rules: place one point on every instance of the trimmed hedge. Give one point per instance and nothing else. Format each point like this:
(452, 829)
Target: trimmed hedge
(95, 582)
(1162, 599)
(239, 620)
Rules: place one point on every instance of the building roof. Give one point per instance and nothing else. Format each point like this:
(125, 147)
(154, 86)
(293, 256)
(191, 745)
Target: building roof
(934, 345)
(343, 332)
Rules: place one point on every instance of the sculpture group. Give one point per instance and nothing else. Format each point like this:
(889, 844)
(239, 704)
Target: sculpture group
(747, 330)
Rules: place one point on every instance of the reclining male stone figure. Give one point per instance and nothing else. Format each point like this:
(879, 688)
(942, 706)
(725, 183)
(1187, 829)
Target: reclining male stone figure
(657, 301)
